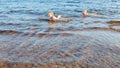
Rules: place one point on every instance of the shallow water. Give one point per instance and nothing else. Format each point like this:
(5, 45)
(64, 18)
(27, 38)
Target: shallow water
(27, 35)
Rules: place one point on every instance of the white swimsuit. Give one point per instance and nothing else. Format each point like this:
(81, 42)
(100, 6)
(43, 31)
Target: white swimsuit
(57, 18)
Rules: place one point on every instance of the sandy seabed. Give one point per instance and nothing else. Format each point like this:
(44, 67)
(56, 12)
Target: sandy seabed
(85, 49)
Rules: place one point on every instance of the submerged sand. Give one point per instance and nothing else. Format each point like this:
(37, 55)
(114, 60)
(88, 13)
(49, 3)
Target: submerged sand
(83, 49)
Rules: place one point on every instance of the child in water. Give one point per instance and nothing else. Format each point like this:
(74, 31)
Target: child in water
(85, 13)
(52, 16)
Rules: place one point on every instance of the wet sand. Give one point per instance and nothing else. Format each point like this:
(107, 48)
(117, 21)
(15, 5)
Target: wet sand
(90, 48)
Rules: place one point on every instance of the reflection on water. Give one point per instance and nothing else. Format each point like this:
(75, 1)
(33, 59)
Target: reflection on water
(51, 22)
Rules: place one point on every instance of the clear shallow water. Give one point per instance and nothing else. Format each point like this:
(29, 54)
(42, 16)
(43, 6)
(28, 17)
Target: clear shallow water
(31, 15)
(35, 39)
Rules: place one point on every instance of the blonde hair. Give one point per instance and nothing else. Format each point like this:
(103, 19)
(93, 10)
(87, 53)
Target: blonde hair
(50, 13)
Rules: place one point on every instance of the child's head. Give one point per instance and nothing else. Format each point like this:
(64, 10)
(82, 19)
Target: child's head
(84, 12)
(51, 14)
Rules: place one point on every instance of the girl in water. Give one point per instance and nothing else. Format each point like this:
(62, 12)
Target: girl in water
(52, 16)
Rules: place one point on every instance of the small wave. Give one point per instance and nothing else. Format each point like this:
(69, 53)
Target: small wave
(43, 19)
(52, 21)
(101, 28)
(4, 16)
(13, 24)
(90, 28)
(9, 32)
(77, 10)
(19, 24)
(52, 34)
(73, 1)
(33, 12)
(114, 22)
